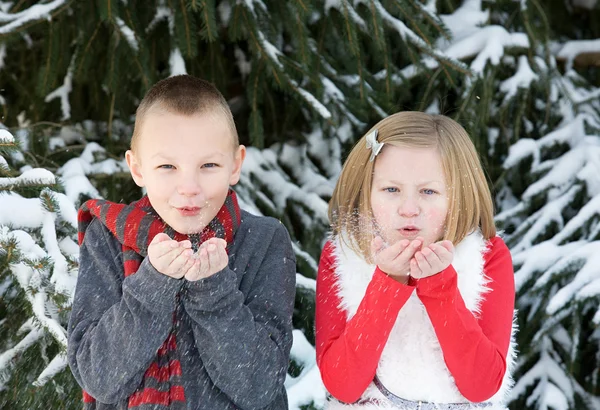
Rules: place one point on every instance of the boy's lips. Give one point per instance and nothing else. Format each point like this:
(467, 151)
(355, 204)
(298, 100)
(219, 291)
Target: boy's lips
(188, 210)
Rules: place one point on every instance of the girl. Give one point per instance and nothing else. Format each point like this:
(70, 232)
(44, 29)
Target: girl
(415, 292)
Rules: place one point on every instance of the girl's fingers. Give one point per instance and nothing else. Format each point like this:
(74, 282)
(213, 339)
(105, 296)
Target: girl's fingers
(409, 251)
(415, 271)
(443, 253)
(431, 256)
(376, 245)
(422, 262)
(448, 245)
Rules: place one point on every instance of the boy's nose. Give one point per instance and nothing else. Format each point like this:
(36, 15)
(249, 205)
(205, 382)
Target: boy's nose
(189, 187)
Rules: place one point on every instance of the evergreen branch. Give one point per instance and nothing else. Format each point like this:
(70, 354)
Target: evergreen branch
(303, 6)
(209, 32)
(33, 14)
(187, 29)
(46, 73)
(430, 85)
(87, 48)
(432, 18)
(259, 45)
(413, 22)
(143, 73)
(193, 4)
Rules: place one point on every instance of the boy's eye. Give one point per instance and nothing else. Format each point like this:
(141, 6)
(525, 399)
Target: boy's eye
(166, 166)
(210, 165)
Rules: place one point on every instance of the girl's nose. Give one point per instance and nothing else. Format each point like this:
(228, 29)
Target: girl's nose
(409, 207)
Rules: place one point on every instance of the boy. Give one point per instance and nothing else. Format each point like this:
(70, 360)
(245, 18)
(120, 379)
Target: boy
(183, 301)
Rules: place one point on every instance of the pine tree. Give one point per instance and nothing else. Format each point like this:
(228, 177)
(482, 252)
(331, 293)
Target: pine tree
(37, 276)
(304, 80)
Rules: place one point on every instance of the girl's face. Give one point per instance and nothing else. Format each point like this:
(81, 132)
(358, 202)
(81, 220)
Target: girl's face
(409, 196)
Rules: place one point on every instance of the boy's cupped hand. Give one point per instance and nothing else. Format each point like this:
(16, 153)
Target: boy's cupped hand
(211, 258)
(178, 260)
(170, 257)
(409, 258)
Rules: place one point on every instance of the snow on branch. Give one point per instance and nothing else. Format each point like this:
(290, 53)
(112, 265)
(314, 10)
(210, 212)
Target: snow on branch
(58, 363)
(344, 7)
(575, 48)
(13, 21)
(308, 387)
(63, 92)
(129, 34)
(7, 357)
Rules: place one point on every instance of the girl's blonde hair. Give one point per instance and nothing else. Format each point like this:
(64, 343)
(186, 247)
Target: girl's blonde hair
(470, 201)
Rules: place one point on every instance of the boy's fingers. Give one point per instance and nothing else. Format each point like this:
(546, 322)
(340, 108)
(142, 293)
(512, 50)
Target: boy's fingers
(203, 260)
(160, 237)
(160, 249)
(213, 258)
(186, 244)
(180, 260)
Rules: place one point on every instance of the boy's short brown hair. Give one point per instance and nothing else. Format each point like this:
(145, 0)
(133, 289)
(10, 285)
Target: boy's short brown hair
(184, 95)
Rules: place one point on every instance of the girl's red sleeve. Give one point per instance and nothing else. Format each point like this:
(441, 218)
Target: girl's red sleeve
(348, 352)
(474, 349)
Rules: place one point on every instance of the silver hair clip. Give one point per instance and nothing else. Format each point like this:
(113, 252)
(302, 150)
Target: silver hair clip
(373, 144)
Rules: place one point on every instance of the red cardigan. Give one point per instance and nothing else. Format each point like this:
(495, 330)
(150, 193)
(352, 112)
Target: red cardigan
(474, 349)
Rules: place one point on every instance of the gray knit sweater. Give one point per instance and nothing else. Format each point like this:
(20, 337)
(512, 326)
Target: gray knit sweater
(236, 326)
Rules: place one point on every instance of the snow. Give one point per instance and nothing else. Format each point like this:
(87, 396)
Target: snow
(39, 175)
(54, 367)
(176, 63)
(272, 52)
(6, 137)
(571, 49)
(128, 33)
(522, 79)
(557, 389)
(9, 355)
(244, 65)
(2, 55)
(62, 93)
(35, 12)
(307, 388)
(225, 11)
(488, 44)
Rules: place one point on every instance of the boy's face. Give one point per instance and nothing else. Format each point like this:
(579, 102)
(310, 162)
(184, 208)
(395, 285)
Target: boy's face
(186, 164)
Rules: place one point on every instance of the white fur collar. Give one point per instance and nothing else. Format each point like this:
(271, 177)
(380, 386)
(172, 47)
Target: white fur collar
(412, 364)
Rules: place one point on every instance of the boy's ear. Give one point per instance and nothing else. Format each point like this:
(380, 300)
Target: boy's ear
(134, 168)
(238, 160)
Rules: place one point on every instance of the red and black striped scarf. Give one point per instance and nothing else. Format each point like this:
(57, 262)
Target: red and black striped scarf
(135, 225)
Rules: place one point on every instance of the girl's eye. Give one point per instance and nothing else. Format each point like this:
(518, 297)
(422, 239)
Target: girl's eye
(390, 189)
(166, 166)
(210, 165)
(428, 191)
